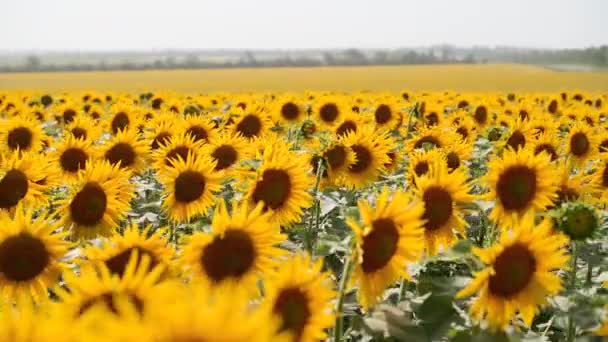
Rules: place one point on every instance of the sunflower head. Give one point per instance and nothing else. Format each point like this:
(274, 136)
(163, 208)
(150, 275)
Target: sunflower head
(577, 220)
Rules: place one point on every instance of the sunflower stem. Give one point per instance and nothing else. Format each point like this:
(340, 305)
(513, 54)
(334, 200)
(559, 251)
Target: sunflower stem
(401, 290)
(346, 272)
(571, 328)
(589, 275)
(313, 224)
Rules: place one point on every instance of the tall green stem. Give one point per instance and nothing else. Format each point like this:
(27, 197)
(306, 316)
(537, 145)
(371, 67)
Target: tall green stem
(571, 328)
(313, 223)
(346, 272)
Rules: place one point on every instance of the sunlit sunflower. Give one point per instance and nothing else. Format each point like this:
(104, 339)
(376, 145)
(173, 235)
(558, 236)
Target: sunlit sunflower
(543, 123)
(436, 136)
(582, 144)
(161, 129)
(23, 180)
(420, 162)
(518, 134)
(520, 274)
(456, 154)
(602, 139)
(30, 254)
(386, 115)
(251, 124)
(371, 155)
(66, 112)
(97, 288)
(521, 183)
(573, 186)
(97, 201)
(600, 181)
(72, 154)
(350, 123)
(389, 238)
(95, 112)
(300, 296)
(547, 143)
(239, 249)
(328, 111)
(443, 195)
(482, 115)
(282, 183)
(21, 134)
(177, 147)
(126, 150)
(433, 115)
(288, 110)
(465, 128)
(208, 315)
(122, 117)
(116, 251)
(228, 149)
(190, 187)
(199, 128)
(83, 127)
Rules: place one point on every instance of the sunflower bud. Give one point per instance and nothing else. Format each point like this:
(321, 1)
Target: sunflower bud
(577, 220)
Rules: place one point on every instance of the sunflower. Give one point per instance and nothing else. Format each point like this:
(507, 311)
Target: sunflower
(251, 124)
(71, 155)
(603, 141)
(288, 110)
(282, 184)
(123, 117)
(30, 254)
(350, 123)
(547, 143)
(239, 249)
(433, 115)
(482, 115)
(443, 194)
(520, 274)
(521, 183)
(162, 128)
(199, 128)
(420, 163)
(328, 111)
(21, 134)
(83, 127)
(518, 134)
(582, 144)
(66, 112)
(27, 324)
(456, 154)
(386, 115)
(466, 129)
(23, 179)
(389, 238)
(600, 181)
(97, 201)
(177, 147)
(542, 122)
(208, 315)
(371, 155)
(436, 136)
(126, 150)
(228, 150)
(190, 187)
(300, 296)
(116, 251)
(97, 288)
(573, 186)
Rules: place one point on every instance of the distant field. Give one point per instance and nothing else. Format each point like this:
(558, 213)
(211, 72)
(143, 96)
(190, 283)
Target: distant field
(389, 78)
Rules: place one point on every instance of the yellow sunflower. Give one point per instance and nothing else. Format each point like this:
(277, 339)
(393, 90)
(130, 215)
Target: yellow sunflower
(177, 147)
(420, 162)
(386, 115)
(83, 127)
(240, 248)
(123, 117)
(456, 155)
(300, 295)
(161, 129)
(582, 144)
(371, 155)
(520, 274)
(126, 150)
(282, 183)
(328, 111)
(72, 154)
(518, 134)
(521, 183)
(389, 238)
(443, 194)
(199, 128)
(23, 179)
(288, 110)
(600, 181)
(350, 123)
(190, 187)
(251, 124)
(21, 134)
(573, 186)
(547, 143)
(436, 136)
(97, 201)
(30, 254)
(116, 251)
(228, 149)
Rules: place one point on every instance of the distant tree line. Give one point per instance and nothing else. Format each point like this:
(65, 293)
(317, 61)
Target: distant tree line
(444, 54)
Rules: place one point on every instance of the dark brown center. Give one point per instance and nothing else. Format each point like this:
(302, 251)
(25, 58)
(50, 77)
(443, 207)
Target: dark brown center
(273, 189)
(229, 256)
(23, 257)
(383, 114)
(345, 127)
(89, 205)
(514, 268)
(379, 245)
(250, 126)
(13, 187)
(363, 158)
(225, 155)
(73, 159)
(120, 122)
(579, 144)
(121, 153)
(189, 186)
(19, 138)
(329, 112)
(516, 187)
(437, 207)
(516, 140)
(290, 111)
(292, 306)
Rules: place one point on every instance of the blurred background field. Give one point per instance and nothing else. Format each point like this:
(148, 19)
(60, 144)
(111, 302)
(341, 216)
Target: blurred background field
(469, 77)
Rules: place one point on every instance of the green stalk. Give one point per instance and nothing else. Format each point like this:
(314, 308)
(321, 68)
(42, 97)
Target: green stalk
(401, 290)
(571, 328)
(313, 223)
(346, 272)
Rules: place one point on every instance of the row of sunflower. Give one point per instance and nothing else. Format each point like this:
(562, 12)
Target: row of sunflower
(232, 217)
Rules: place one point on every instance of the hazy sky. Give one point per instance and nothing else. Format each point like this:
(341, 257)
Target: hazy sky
(145, 24)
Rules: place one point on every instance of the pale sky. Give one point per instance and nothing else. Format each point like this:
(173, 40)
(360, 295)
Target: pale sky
(267, 24)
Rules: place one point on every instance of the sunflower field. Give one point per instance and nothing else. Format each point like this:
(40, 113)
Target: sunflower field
(309, 216)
